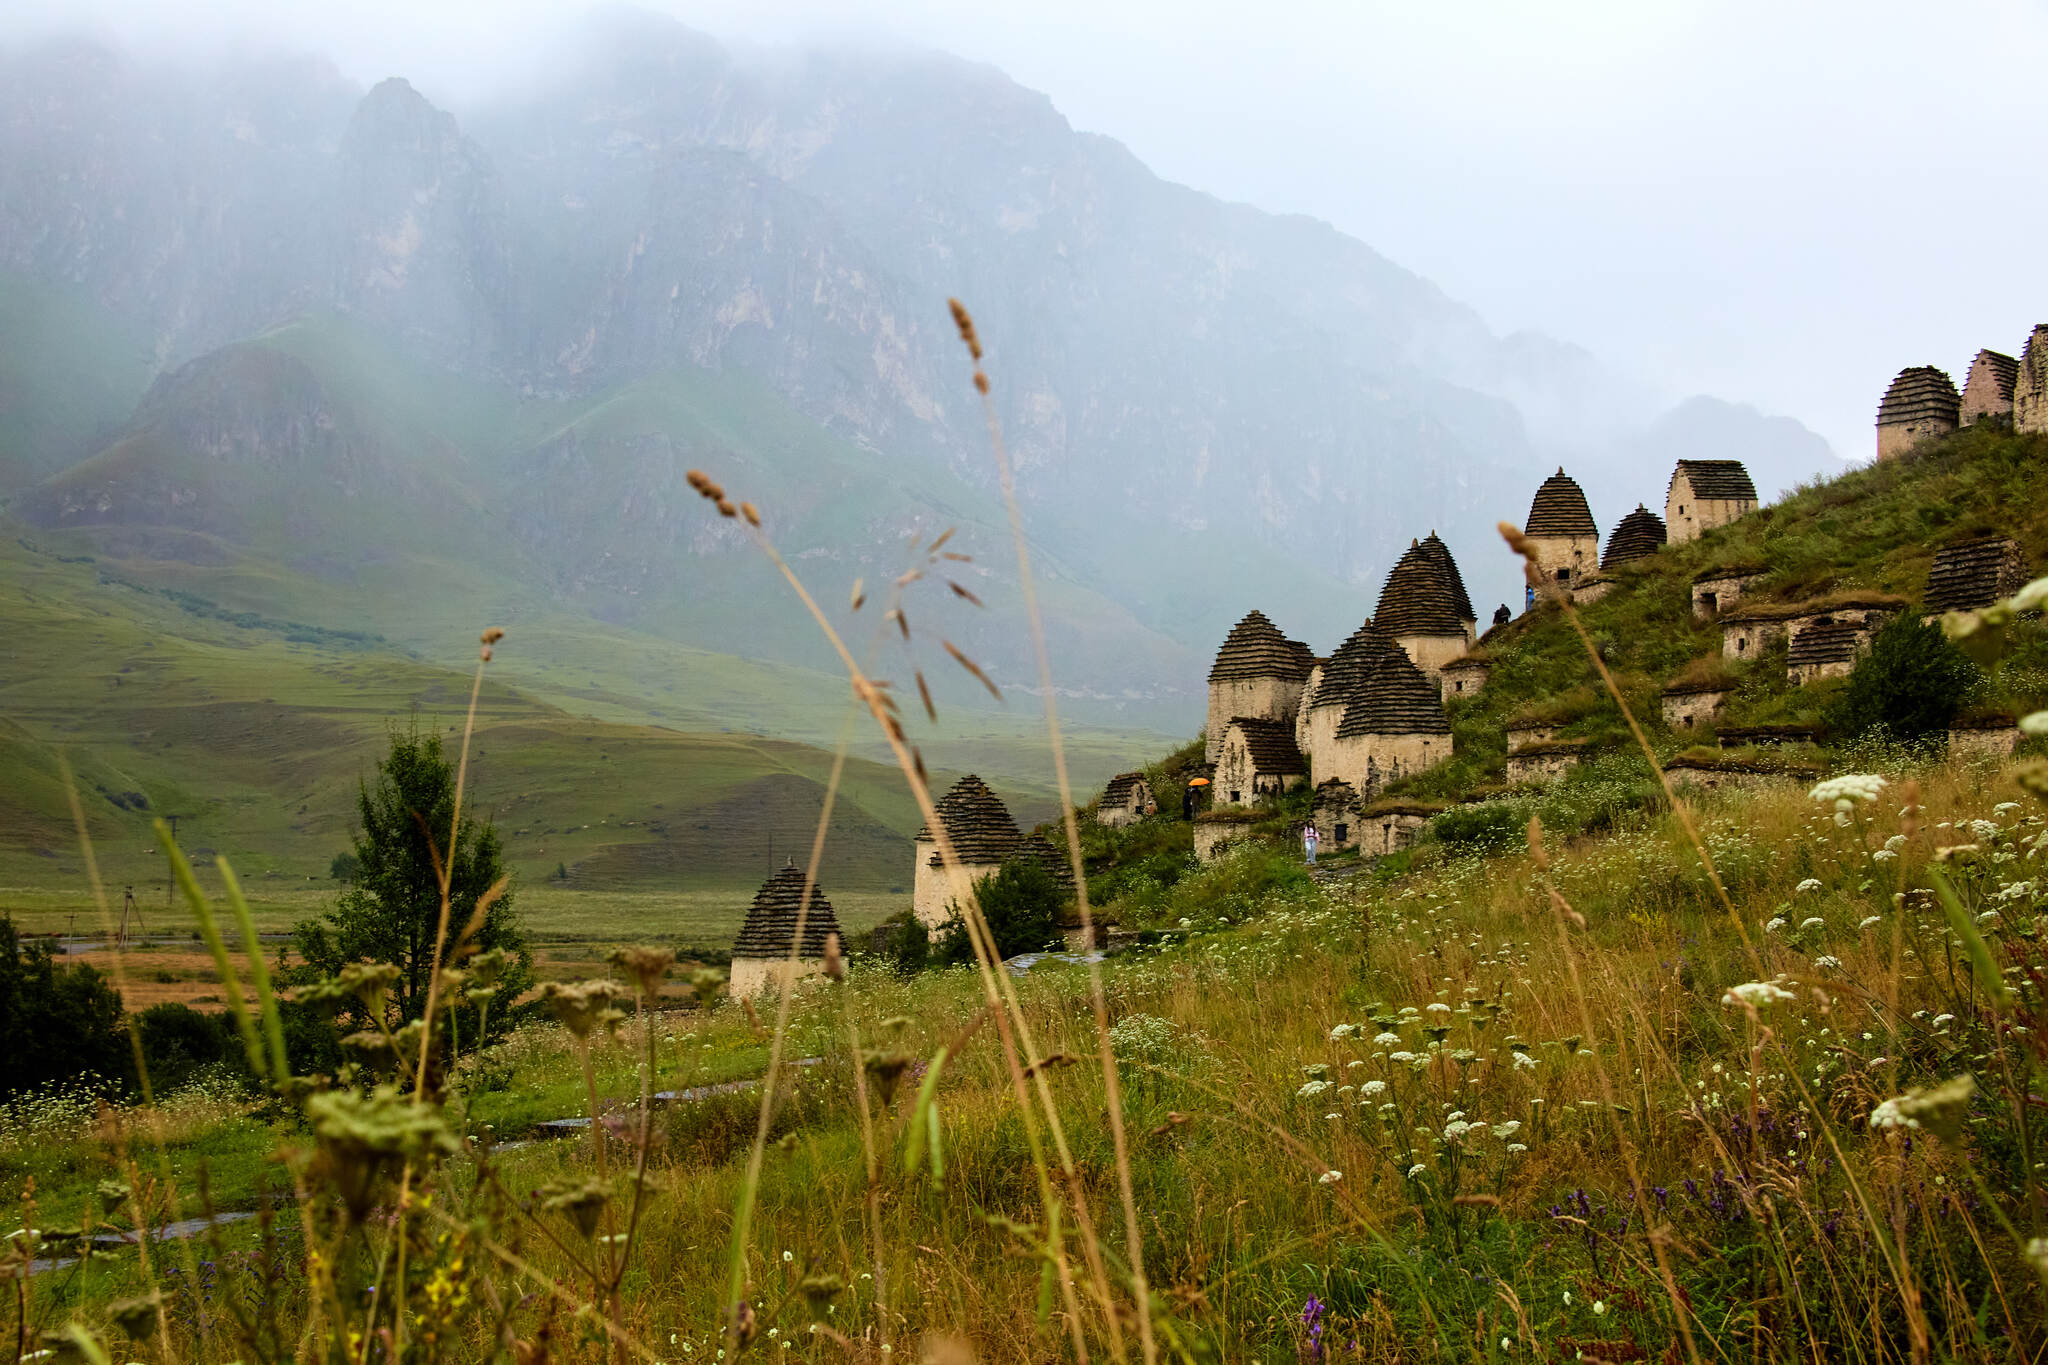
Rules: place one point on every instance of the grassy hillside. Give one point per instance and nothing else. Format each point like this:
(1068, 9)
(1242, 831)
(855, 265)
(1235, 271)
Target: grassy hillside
(255, 732)
(1875, 529)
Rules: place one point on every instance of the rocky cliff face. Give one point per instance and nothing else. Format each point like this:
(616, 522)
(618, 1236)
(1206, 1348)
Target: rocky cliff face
(1210, 407)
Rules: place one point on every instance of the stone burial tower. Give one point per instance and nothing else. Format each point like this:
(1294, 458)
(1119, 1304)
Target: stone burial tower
(760, 955)
(983, 835)
(1565, 544)
(1424, 608)
(1259, 673)
(1705, 494)
(1921, 404)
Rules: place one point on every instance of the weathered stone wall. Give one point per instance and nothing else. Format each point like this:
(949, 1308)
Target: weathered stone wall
(1801, 674)
(1747, 639)
(1337, 826)
(1688, 518)
(1369, 762)
(1431, 652)
(2030, 390)
(1686, 710)
(1713, 595)
(1983, 394)
(753, 976)
(1587, 591)
(1579, 555)
(1519, 735)
(935, 891)
(1213, 838)
(1390, 833)
(1545, 766)
(1261, 698)
(1301, 712)
(1464, 682)
(1899, 438)
(1982, 743)
(1316, 736)
(1710, 779)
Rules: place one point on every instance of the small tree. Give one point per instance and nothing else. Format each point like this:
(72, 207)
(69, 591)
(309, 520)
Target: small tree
(391, 910)
(1021, 902)
(55, 1021)
(1912, 682)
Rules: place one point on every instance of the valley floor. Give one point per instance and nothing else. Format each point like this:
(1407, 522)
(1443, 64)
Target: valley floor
(1554, 1102)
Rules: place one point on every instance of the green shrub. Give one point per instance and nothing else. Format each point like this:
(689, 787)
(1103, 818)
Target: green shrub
(1912, 682)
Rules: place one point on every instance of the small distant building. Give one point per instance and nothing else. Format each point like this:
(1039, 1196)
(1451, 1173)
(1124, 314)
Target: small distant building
(1565, 544)
(1974, 573)
(983, 835)
(2030, 385)
(1824, 648)
(1984, 736)
(1766, 736)
(1638, 535)
(1545, 760)
(1717, 590)
(760, 955)
(1260, 759)
(1921, 404)
(1709, 772)
(1423, 607)
(1705, 494)
(1694, 703)
(1525, 732)
(1465, 675)
(1335, 814)
(1390, 826)
(1125, 801)
(1258, 673)
(1987, 389)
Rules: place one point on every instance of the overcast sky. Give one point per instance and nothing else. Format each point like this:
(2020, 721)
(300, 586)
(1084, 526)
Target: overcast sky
(1781, 203)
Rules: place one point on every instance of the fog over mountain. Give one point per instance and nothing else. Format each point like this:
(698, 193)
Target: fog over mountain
(256, 312)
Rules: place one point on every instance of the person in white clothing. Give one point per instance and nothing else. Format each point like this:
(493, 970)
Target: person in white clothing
(1308, 841)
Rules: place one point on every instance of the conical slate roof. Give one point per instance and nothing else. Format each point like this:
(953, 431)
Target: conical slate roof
(1638, 535)
(1396, 700)
(1920, 393)
(1435, 548)
(1270, 744)
(1353, 662)
(1560, 509)
(1973, 574)
(977, 822)
(1255, 648)
(1988, 387)
(771, 921)
(1421, 596)
(1118, 792)
(1716, 480)
(1055, 861)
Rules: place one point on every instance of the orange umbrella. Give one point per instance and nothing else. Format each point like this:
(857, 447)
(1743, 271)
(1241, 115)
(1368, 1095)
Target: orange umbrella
(1198, 782)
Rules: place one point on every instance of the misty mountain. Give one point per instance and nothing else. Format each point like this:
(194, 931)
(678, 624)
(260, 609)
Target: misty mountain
(664, 256)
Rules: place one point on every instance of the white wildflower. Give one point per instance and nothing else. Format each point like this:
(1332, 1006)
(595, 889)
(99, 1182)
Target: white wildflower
(1887, 1115)
(1373, 1088)
(1870, 920)
(1828, 962)
(1312, 1089)
(1599, 1308)
(1774, 925)
(1508, 1129)
(1814, 922)
(1342, 1031)
(1524, 1062)
(1329, 1177)
(2034, 723)
(1884, 855)
(1416, 1170)
(1849, 787)
(1810, 884)
(1438, 1007)
(1756, 993)
(1387, 1040)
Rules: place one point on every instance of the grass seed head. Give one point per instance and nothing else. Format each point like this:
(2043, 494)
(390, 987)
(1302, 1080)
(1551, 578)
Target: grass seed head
(965, 322)
(751, 513)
